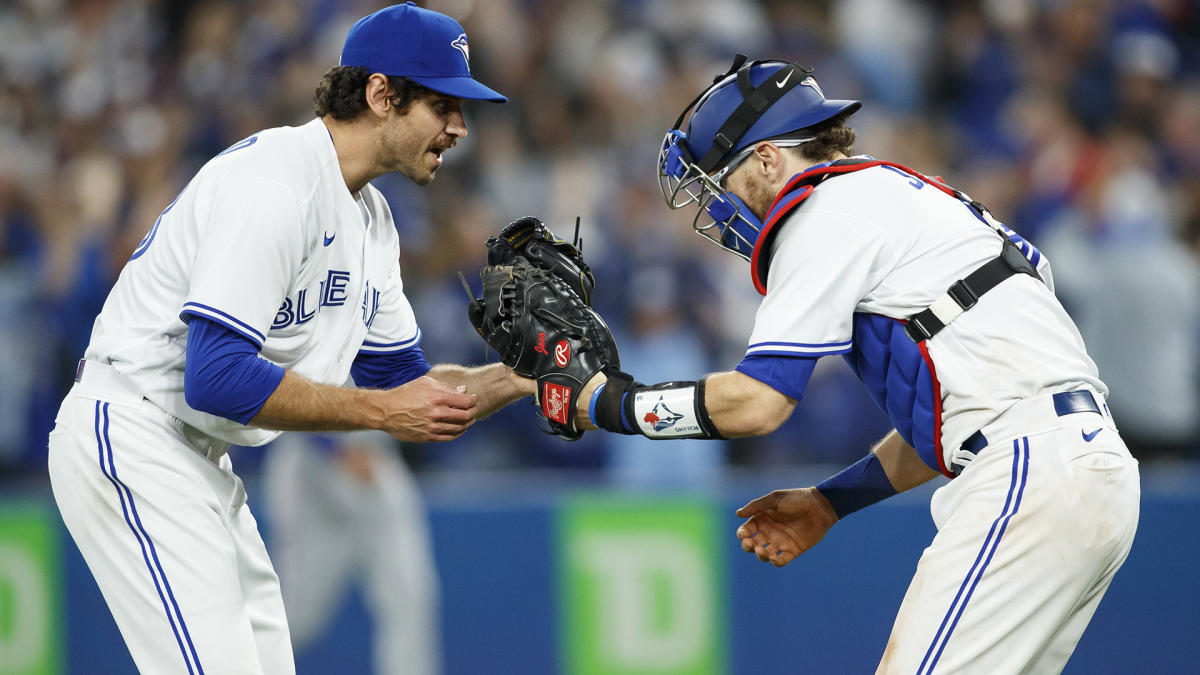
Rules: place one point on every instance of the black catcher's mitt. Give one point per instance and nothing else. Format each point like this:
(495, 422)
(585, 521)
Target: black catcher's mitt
(529, 238)
(543, 330)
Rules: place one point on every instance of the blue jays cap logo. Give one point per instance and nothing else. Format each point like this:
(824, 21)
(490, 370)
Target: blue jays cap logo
(460, 43)
(662, 417)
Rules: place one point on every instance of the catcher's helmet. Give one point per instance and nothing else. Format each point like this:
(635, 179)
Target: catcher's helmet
(751, 102)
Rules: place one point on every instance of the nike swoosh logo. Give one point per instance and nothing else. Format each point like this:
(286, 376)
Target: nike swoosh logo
(329, 238)
(1087, 438)
(782, 82)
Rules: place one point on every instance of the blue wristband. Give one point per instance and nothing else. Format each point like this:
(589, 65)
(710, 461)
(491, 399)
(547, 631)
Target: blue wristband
(625, 418)
(857, 486)
(592, 404)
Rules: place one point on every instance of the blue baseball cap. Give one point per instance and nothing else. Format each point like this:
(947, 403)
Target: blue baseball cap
(426, 47)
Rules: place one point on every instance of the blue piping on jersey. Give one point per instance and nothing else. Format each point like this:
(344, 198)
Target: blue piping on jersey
(845, 343)
(104, 447)
(383, 347)
(797, 348)
(1020, 472)
(228, 320)
(1027, 248)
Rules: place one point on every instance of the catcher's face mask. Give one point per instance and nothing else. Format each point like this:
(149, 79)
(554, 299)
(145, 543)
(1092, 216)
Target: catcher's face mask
(721, 132)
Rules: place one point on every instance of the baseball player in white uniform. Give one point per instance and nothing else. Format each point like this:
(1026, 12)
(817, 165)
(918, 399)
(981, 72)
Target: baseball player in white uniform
(262, 290)
(345, 511)
(950, 321)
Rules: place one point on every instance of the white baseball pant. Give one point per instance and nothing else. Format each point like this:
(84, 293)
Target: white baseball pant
(1029, 537)
(161, 519)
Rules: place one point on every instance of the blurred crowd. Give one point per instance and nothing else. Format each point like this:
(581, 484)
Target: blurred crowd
(1076, 121)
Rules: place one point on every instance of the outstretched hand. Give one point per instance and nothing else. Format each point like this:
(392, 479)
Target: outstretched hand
(426, 410)
(784, 524)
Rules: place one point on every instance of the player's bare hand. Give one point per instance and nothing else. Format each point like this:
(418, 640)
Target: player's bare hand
(784, 524)
(426, 410)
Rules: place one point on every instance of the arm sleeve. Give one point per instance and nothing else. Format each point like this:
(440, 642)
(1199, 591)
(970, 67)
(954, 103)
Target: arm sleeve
(787, 375)
(224, 375)
(384, 371)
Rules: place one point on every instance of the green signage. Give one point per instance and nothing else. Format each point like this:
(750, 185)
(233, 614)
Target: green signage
(640, 587)
(30, 618)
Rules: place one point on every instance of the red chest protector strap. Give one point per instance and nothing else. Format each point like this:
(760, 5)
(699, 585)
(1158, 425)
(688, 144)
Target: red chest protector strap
(801, 186)
(961, 296)
(1011, 260)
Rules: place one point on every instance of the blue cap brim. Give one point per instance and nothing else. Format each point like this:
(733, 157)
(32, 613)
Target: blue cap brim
(842, 105)
(462, 87)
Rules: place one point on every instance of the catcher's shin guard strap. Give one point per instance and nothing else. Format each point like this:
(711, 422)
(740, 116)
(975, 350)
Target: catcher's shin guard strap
(662, 411)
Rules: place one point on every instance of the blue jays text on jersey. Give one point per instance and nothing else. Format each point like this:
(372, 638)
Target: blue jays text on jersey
(332, 292)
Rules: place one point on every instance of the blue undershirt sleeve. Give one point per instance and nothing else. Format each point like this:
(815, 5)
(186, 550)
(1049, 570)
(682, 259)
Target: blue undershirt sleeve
(384, 371)
(785, 374)
(223, 374)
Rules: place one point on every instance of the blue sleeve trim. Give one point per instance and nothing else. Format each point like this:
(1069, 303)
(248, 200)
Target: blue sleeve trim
(223, 374)
(372, 370)
(788, 374)
(229, 321)
(390, 347)
(797, 348)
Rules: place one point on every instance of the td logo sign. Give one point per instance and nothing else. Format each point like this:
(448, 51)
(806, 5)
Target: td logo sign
(30, 638)
(640, 585)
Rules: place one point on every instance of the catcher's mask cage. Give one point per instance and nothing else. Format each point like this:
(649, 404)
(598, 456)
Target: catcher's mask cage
(751, 102)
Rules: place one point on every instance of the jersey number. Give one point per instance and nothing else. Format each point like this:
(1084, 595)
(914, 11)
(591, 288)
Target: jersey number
(149, 238)
(912, 180)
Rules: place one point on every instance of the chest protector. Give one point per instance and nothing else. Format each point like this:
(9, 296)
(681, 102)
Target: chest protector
(889, 356)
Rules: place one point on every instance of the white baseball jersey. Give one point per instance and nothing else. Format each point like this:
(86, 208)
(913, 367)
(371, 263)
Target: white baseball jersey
(268, 241)
(881, 242)
(1041, 516)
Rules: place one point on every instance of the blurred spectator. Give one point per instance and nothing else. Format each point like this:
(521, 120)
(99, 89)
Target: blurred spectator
(345, 511)
(1132, 290)
(107, 106)
(659, 346)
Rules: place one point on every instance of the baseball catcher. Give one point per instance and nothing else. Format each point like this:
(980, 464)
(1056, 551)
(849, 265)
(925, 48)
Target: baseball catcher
(535, 312)
(948, 318)
(950, 321)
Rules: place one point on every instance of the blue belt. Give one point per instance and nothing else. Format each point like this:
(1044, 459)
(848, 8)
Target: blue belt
(1065, 403)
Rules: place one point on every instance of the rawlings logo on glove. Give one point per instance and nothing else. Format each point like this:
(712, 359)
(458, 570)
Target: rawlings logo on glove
(555, 400)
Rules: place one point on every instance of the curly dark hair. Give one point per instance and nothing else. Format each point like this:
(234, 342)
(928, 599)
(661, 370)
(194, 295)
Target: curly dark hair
(342, 92)
(832, 136)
